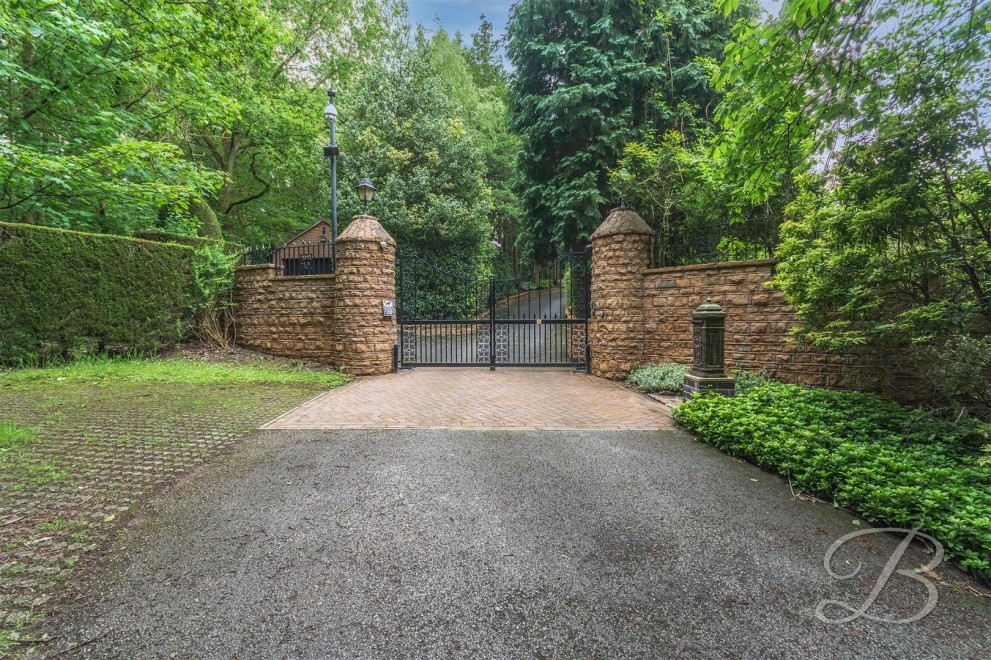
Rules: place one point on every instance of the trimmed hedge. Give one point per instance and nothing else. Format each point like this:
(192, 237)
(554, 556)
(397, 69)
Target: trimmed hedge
(63, 293)
(894, 465)
(180, 239)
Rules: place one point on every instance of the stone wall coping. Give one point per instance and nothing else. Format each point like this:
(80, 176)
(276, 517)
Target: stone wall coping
(247, 267)
(365, 228)
(726, 265)
(621, 220)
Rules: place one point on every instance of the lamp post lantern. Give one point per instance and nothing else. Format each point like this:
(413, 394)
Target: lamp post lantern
(331, 151)
(365, 192)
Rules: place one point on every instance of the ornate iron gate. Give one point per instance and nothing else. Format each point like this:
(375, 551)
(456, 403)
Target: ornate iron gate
(538, 319)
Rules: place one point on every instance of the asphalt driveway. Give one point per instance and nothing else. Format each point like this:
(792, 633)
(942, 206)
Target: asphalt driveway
(450, 543)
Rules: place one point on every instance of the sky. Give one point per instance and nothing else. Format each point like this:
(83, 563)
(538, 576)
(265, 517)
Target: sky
(462, 15)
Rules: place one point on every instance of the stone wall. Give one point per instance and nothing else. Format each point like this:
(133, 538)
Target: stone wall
(286, 316)
(758, 330)
(652, 320)
(366, 276)
(335, 319)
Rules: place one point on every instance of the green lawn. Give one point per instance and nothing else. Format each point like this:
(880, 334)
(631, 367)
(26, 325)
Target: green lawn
(177, 371)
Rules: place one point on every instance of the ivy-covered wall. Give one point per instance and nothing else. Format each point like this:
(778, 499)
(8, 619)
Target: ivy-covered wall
(63, 293)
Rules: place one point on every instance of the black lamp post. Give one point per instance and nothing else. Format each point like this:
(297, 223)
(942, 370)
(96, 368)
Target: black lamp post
(331, 151)
(365, 192)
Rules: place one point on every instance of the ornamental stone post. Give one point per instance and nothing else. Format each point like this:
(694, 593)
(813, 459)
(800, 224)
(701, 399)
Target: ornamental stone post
(708, 372)
(366, 291)
(620, 254)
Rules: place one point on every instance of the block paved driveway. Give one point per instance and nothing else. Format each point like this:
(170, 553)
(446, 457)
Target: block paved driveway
(450, 543)
(520, 398)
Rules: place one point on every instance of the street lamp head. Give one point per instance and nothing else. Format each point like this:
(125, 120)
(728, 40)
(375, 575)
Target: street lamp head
(365, 191)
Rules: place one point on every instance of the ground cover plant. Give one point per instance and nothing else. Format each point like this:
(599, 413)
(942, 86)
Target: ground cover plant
(83, 445)
(667, 377)
(891, 464)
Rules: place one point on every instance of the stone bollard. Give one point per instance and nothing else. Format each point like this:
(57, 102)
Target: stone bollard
(620, 254)
(708, 373)
(366, 291)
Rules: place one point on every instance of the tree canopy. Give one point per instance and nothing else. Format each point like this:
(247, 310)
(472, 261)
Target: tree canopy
(880, 110)
(589, 78)
(120, 115)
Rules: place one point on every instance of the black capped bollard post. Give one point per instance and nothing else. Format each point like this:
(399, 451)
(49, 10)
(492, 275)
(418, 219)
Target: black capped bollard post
(708, 372)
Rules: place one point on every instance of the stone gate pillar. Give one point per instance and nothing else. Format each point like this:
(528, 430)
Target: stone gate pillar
(366, 279)
(620, 254)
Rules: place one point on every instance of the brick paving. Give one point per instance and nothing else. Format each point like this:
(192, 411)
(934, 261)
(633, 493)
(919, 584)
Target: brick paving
(442, 398)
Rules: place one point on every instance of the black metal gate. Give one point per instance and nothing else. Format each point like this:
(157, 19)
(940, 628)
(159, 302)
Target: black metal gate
(537, 319)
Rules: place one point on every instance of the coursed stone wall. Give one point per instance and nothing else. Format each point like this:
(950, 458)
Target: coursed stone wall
(366, 276)
(286, 316)
(335, 319)
(648, 312)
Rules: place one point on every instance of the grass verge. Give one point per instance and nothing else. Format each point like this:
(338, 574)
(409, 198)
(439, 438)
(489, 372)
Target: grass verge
(175, 371)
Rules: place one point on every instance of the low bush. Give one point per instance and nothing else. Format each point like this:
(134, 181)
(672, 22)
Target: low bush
(745, 382)
(891, 464)
(667, 377)
(66, 293)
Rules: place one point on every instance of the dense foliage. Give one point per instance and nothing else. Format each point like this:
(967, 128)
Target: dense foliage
(667, 377)
(406, 129)
(127, 115)
(893, 465)
(67, 293)
(591, 77)
(879, 110)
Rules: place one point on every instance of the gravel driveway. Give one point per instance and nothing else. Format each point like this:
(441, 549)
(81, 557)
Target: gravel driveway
(451, 543)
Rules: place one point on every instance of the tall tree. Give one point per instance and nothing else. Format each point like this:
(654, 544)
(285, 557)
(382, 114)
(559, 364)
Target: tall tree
(264, 140)
(881, 109)
(90, 87)
(118, 115)
(403, 128)
(589, 77)
(476, 82)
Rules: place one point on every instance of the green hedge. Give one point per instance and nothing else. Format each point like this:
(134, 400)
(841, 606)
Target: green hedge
(63, 293)
(182, 239)
(894, 465)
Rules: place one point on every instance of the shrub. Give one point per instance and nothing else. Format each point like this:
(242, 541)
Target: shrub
(893, 465)
(960, 370)
(213, 280)
(183, 239)
(745, 382)
(63, 293)
(667, 377)
(167, 237)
